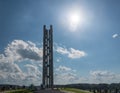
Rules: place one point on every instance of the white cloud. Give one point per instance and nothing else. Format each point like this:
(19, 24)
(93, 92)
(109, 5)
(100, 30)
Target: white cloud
(65, 78)
(19, 50)
(10, 71)
(33, 70)
(71, 52)
(62, 50)
(63, 68)
(9, 67)
(115, 36)
(67, 75)
(104, 77)
(70, 76)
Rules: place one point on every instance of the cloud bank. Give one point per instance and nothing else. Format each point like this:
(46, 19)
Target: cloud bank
(19, 51)
(104, 77)
(66, 75)
(14, 71)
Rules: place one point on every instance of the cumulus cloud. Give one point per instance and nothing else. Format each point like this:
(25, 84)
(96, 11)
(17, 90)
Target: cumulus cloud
(11, 72)
(34, 74)
(115, 36)
(33, 70)
(65, 78)
(63, 68)
(104, 77)
(71, 52)
(9, 67)
(67, 75)
(62, 50)
(19, 50)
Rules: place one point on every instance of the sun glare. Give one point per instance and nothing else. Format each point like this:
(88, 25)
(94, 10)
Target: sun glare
(74, 18)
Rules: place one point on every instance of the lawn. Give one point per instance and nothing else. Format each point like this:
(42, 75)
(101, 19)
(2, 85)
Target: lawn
(73, 90)
(19, 91)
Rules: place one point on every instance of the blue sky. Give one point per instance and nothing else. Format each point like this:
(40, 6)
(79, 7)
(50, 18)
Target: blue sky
(86, 40)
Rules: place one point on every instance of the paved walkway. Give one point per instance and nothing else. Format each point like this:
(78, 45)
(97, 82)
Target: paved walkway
(48, 91)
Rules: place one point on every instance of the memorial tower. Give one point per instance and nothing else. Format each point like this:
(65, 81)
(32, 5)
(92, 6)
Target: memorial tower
(47, 57)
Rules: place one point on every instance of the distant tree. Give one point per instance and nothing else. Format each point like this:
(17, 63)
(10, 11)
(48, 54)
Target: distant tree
(116, 90)
(23, 86)
(94, 91)
(32, 87)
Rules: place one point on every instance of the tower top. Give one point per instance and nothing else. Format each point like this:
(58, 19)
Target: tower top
(44, 26)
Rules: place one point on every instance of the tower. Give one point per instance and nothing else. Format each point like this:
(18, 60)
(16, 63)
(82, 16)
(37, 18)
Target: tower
(47, 57)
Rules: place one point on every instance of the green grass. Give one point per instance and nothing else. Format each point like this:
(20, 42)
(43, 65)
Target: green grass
(19, 91)
(75, 90)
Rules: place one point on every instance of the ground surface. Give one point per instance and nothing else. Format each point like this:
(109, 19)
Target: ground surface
(74, 90)
(48, 91)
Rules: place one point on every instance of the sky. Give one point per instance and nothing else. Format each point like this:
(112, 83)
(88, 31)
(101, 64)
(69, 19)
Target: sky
(86, 40)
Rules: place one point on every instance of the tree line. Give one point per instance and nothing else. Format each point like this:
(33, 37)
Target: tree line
(96, 88)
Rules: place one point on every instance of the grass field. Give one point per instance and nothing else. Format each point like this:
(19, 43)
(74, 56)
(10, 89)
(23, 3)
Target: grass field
(73, 90)
(19, 91)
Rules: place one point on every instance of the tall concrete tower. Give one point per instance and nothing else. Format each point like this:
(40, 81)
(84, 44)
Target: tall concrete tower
(48, 57)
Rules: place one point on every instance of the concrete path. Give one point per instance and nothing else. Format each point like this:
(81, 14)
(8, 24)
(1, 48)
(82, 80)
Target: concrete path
(48, 91)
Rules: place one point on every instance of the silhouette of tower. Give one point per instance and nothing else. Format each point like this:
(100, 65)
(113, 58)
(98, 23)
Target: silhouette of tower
(47, 57)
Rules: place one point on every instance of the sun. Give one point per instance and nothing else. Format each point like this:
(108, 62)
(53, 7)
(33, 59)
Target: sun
(74, 20)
